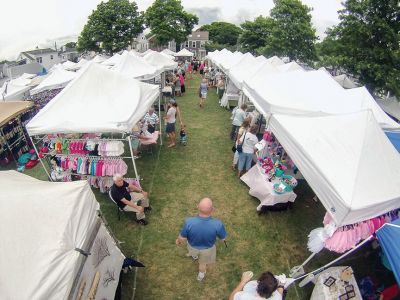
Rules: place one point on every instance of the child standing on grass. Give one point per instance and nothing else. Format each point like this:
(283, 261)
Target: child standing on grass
(203, 89)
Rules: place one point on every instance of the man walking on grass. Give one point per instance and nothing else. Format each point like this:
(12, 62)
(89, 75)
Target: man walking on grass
(201, 233)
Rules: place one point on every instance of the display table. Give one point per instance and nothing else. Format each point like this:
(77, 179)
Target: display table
(150, 139)
(338, 288)
(167, 90)
(262, 189)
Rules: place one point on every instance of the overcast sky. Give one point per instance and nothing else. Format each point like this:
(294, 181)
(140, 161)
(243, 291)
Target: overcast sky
(26, 24)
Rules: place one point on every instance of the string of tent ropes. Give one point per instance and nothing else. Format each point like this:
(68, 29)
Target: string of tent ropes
(79, 120)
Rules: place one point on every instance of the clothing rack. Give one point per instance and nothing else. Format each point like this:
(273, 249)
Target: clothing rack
(87, 139)
(86, 156)
(21, 136)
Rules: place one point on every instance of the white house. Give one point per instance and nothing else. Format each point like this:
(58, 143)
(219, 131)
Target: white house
(68, 54)
(144, 41)
(140, 43)
(46, 57)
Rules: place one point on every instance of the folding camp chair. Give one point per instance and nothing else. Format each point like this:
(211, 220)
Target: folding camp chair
(119, 209)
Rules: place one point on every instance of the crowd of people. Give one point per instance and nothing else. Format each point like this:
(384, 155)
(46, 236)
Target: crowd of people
(200, 233)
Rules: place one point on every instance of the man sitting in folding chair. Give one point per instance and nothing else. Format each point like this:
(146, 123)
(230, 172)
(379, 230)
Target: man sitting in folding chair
(130, 198)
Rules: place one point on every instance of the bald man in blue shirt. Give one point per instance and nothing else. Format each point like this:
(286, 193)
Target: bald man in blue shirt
(201, 233)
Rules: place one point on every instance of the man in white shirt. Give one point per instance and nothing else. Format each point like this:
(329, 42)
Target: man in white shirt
(238, 117)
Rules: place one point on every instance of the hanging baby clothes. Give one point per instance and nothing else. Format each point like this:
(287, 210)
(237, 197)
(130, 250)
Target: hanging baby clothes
(348, 236)
(111, 148)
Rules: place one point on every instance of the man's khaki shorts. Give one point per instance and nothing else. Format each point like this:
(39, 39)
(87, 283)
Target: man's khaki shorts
(206, 256)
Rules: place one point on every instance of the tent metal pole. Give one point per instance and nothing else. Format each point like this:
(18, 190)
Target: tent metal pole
(337, 259)
(159, 115)
(132, 156)
(37, 153)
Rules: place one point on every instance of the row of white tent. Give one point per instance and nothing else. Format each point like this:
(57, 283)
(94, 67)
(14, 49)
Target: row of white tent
(96, 100)
(151, 65)
(333, 135)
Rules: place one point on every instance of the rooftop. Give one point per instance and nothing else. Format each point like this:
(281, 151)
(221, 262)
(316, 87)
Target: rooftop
(39, 51)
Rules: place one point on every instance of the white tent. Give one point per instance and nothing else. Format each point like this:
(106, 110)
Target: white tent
(79, 65)
(170, 57)
(184, 53)
(346, 159)
(112, 61)
(15, 89)
(68, 65)
(135, 67)
(245, 66)
(99, 59)
(27, 76)
(134, 52)
(368, 102)
(146, 52)
(230, 61)
(292, 66)
(59, 78)
(211, 55)
(97, 100)
(275, 61)
(261, 59)
(168, 52)
(160, 61)
(301, 92)
(41, 229)
(220, 56)
(345, 81)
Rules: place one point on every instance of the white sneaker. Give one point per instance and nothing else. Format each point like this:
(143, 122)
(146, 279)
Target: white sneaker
(201, 276)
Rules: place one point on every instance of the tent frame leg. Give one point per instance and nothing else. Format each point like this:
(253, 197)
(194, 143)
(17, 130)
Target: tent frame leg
(37, 153)
(132, 156)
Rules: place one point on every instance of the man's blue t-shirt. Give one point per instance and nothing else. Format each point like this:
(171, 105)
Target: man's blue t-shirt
(202, 232)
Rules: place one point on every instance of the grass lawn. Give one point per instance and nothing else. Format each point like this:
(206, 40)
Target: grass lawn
(177, 179)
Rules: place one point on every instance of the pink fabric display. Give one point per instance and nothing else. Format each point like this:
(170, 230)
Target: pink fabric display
(348, 236)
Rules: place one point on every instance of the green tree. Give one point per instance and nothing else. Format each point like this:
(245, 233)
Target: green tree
(223, 33)
(70, 45)
(168, 21)
(111, 27)
(255, 34)
(292, 34)
(366, 43)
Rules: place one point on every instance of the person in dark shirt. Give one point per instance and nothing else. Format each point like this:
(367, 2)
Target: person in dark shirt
(130, 198)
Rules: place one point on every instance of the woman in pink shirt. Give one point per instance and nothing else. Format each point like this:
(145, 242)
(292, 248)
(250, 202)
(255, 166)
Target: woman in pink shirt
(190, 70)
(182, 80)
(202, 68)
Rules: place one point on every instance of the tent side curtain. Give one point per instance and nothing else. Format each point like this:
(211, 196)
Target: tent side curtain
(68, 214)
(97, 100)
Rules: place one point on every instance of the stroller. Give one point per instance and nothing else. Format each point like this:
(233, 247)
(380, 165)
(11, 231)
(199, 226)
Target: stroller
(183, 136)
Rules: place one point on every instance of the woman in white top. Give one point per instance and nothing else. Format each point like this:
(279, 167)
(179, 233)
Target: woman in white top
(248, 141)
(242, 130)
(267, 287)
